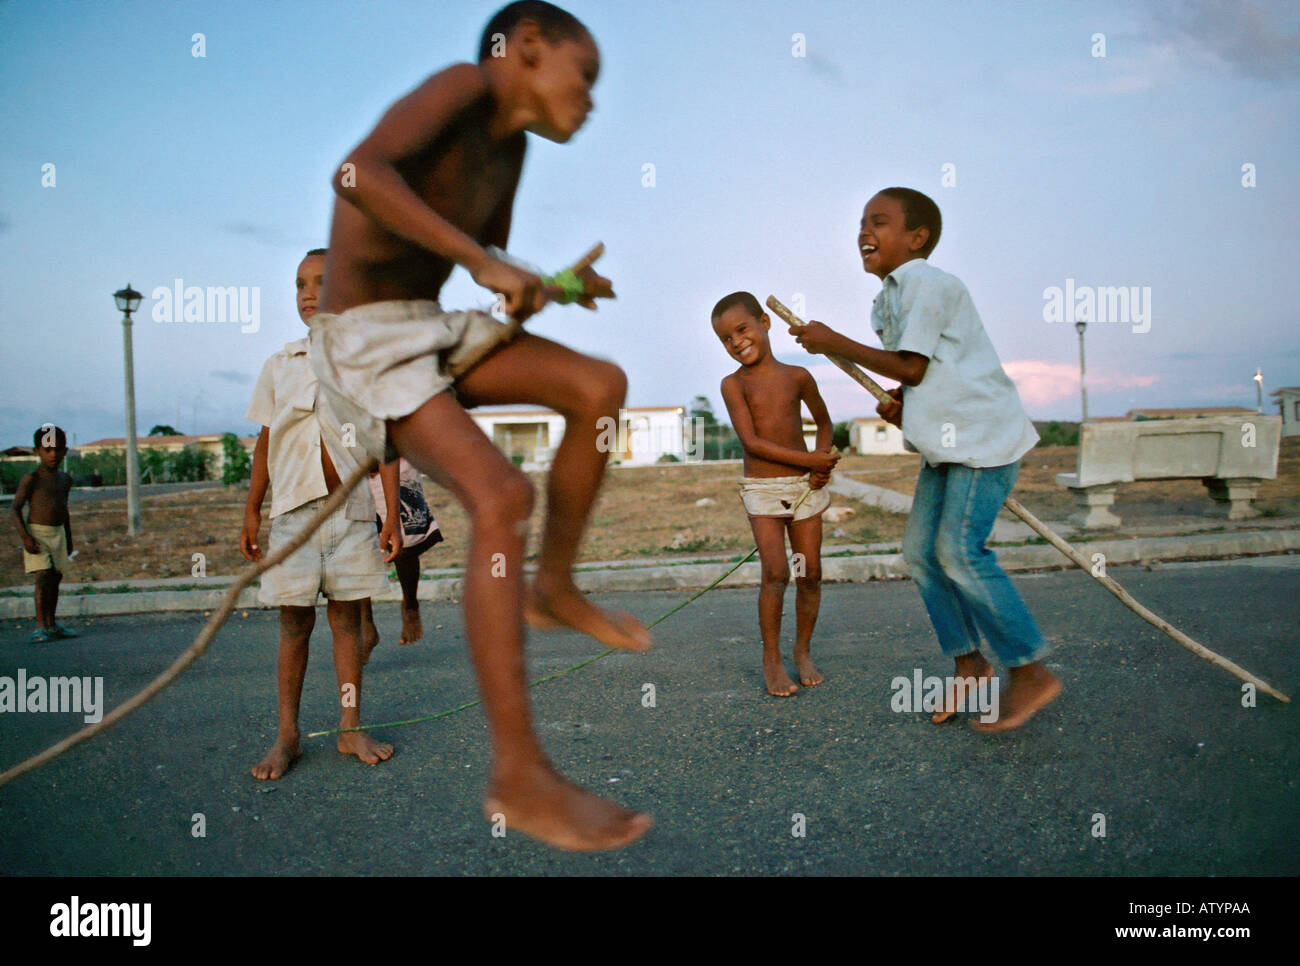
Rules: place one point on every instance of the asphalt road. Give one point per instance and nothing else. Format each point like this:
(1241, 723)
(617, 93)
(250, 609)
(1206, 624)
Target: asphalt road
(1150, 737)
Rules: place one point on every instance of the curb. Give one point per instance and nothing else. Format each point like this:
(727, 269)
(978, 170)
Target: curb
(685, 577)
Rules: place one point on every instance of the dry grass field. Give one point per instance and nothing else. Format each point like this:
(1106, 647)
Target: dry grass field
(643, 512)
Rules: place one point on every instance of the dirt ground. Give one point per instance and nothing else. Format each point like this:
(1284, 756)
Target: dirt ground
(642, 512)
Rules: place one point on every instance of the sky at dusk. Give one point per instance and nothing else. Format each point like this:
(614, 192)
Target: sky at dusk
(1167, 167)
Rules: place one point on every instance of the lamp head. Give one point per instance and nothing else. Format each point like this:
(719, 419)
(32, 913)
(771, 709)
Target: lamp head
(127, 299)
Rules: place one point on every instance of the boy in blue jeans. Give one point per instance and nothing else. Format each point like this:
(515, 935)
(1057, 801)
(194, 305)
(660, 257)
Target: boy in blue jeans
(961, 412)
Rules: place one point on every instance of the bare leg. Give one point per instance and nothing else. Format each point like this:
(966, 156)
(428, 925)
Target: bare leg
(806, 543)
(769, 534)
(408, 575)
(345, 623)
(369, 632)
(52, 599)
(440, 439)
(586, 392)
(296, 624)
(44, 588)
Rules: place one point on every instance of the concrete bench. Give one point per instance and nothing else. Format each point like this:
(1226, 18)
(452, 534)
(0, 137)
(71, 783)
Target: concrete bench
(1231, 455)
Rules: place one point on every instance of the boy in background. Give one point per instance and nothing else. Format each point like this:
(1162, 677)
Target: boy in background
(46, 533)
(419, 530)
(301, 456)
(763, 400)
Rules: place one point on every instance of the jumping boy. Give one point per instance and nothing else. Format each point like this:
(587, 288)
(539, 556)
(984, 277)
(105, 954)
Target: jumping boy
(431, 187)
(301, 454)
(419, 530)
(763, 398)
(961, 412)
(46, 533)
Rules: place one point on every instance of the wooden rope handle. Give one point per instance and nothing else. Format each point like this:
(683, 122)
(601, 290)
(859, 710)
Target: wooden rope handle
(856, 374)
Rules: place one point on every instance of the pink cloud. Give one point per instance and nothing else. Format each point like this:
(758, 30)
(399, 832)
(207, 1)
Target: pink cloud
(1041, 382)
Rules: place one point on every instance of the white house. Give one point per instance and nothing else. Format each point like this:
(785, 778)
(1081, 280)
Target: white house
(1288, 401)
(641, 435)
(209, 443)
(872, 435)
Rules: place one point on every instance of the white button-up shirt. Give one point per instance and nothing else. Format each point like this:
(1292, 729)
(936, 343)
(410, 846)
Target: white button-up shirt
(966, 409)
(287, 399)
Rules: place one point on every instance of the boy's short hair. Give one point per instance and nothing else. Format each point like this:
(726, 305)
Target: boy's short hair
(60, 439)
(743, 299)
(919, 211)
(317, 251)
(555, 24)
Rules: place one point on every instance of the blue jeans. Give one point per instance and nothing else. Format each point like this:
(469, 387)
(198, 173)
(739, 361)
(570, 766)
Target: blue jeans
(965, 591)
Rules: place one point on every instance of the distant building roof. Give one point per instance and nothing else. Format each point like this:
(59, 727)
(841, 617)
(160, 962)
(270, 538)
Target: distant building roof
(144, 441)
(1188, 411)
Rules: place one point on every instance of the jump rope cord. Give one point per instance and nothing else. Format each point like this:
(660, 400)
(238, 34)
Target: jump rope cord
(568, 670)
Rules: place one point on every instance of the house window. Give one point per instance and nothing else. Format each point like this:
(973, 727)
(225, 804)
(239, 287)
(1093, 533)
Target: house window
(880, 434)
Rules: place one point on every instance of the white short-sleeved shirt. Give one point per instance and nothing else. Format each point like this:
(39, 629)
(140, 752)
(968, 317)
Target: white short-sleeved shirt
(287, 399)
(966, 409)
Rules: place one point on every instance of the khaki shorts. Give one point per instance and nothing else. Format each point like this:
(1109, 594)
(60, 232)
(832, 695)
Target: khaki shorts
(53, 554)
(340, 560)
(777, 496)
(385, 360)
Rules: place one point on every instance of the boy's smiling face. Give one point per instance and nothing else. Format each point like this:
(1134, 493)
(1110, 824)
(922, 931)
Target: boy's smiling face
(744, 336)
(561, 78)
(883, 238)
(311, 272)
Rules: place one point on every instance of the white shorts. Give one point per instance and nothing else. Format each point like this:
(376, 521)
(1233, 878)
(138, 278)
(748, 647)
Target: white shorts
(340, 560)
(778, 496)
(387, 359)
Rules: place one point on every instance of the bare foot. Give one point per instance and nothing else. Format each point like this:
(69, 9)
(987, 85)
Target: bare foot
(412, 626)
(1032, 688)
(971, 665)
(541, 804)
(278, 760)
(569, 607)
(809, 676)
(364, 747)
(369, 639)
(779, 684)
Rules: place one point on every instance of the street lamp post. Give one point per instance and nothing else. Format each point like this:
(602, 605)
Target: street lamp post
(1259, 390)
(128, 300)
(1083, 386)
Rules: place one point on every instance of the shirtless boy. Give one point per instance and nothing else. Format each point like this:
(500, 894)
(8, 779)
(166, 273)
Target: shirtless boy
(432, 187)
(783, 486)
(46, 533)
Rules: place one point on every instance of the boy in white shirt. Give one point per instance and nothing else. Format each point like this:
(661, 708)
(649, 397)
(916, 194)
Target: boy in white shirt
(301, 455)
(961, 412)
